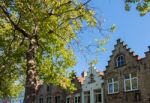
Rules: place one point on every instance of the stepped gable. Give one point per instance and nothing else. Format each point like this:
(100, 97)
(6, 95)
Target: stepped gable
(120, 44)
(147, 52)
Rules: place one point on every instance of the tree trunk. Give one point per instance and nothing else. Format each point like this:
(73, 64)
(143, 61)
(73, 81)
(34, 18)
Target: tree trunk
(31, 84)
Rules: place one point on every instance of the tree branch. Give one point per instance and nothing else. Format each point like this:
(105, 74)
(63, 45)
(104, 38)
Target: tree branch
(13, 24)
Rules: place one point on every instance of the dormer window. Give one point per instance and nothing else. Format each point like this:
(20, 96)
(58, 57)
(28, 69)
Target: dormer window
(120, 61)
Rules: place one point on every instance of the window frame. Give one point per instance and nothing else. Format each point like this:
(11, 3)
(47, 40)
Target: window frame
(97, 92)
(87, 95)
(57, 99)
(68, 100)
(48, 98)
(112, 83)
(77, 99)
(131, 83)
(119, 62)
(41, 100)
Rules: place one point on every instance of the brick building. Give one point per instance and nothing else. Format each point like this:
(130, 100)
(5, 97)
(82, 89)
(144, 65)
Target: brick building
(54, 94)
(51, 94)
(90, 82)
(126, 76)
(125, 80)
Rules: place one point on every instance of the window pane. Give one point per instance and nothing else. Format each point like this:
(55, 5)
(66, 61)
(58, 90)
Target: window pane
(97, 96)
(134, 83)
(68, 100)
(121, 57)
(41, 100)
(78, 99)
(127, 85)
(48, 99)
(87, 97)
(116, 87)
(97, 91)
(57, 99)
(120, 61)
(110, 88)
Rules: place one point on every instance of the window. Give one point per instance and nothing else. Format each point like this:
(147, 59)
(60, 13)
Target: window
(57, 99)
(120, 61)
(130, 82)
(48, 88)
(97, 96)
(41, 100)
(77, 99)
(48, 99)
(68, 100)
(113, 85)
(87, 97)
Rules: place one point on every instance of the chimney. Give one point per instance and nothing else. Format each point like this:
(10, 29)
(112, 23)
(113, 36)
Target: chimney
(84, 73)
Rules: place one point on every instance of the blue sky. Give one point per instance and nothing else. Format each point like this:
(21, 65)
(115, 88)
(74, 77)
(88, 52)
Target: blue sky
(131, 28)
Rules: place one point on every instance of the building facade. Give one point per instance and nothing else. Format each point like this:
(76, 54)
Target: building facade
(75, 97)
(125, 80)
(51, 94)
(92, 91)
(89, 90)
(126, 76)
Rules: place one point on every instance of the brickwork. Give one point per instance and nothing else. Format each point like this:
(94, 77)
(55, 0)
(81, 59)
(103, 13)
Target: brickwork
(52, 92)
(133, 64)
(126, 80)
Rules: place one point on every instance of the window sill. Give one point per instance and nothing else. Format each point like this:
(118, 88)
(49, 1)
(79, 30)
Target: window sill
(113, 93)
(131, 90)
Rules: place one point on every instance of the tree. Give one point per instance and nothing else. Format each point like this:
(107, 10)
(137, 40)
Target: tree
(34, 41)
(143, 6)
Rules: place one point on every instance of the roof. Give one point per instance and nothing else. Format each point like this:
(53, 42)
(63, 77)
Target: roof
(81, 79)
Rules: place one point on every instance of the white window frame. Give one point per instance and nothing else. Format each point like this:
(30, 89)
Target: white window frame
(97, 93)
(87, 95)
(68, 98)
(118, 61)
(77, 99)
(113, 82)
(131, 85)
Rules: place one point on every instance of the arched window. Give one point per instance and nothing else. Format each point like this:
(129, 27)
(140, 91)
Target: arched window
(120, 61)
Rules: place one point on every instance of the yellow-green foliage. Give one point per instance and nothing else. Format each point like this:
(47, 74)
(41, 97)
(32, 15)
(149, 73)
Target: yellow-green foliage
(143, 6)
(55, 23)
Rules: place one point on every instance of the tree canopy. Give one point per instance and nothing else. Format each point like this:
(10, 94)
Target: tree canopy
(143, 6)
(34, 42)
